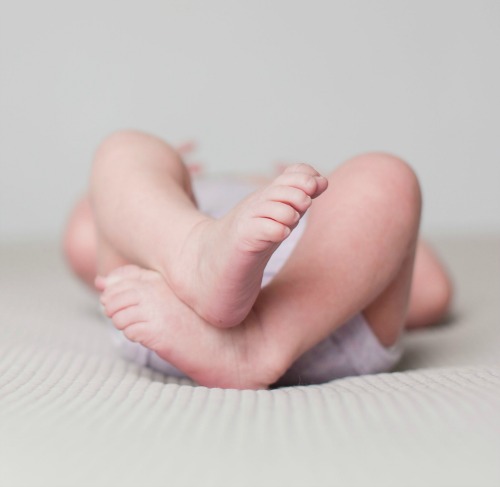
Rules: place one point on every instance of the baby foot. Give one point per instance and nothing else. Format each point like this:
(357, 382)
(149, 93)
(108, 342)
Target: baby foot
(141, 304)
(219, 273)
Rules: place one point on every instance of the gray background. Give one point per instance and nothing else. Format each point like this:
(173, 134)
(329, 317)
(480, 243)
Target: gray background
(255, 82)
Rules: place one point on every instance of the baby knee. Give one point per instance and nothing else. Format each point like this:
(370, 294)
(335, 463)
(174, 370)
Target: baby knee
(394, 180)
(395, 170)
(80, 243)
(124, 145)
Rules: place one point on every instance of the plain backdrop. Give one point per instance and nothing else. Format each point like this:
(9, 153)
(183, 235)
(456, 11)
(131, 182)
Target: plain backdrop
(254, 82)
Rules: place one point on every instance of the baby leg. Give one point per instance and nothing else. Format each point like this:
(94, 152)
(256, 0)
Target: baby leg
(356, 254)
(80, 242)
(80, 234)
(432, 289)
(144, 213)
(139, 194)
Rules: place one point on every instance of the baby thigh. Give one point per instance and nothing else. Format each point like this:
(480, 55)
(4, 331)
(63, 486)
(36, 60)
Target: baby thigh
(356, 255)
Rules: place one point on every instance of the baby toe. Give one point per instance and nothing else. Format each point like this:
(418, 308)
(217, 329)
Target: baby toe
(127, 317)
(139, 332)
(302, 168)
(113, 289)
(121, 301)
(289, 195)
(299, 180)
(279, 212)
(100, 283)
(268, 230)
(124, 272)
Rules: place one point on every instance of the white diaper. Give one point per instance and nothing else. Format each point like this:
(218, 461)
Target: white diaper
(353, 349)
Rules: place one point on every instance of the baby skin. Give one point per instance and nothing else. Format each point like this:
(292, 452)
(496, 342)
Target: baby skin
(219, 270)
(193, 292)
(216, 280)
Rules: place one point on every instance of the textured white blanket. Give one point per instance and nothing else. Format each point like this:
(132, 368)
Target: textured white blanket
(73, 413)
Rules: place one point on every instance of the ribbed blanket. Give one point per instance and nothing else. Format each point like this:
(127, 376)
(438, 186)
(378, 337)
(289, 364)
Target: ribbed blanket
(73, 413)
